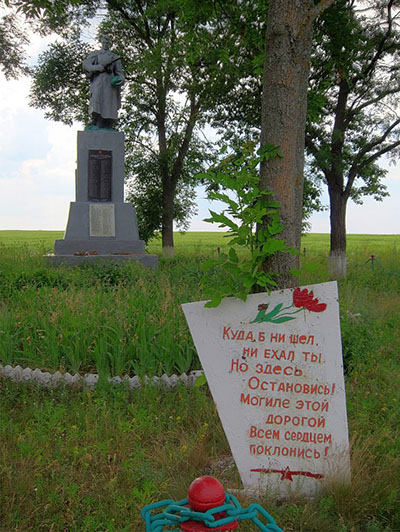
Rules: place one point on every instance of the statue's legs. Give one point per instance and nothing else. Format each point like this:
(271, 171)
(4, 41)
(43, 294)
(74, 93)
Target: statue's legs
(102, 123)
(109, 123)
(96, 119)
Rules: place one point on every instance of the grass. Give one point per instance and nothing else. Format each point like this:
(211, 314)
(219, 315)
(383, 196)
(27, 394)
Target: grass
(76, 459)
(207, 242)
(128, 320)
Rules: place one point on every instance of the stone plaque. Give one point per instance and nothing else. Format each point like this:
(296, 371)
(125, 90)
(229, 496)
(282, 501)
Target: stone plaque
(102, 220)
(99, 175)
(274, 368)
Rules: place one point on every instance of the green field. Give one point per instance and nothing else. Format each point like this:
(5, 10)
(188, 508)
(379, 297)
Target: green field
(205, 242)
(76, 459)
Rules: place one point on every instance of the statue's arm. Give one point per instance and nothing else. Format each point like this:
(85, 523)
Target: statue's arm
(90, 64)
(118, 71)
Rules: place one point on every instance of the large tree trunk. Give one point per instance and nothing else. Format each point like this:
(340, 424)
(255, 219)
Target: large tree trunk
(283, 120)
(337, 261)
(167, 228)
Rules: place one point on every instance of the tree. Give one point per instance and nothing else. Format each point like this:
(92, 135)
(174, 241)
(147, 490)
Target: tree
(43, 16)
(238, 117)
(13, 42)
(354, 88)
(174, 58)
(288, 44)
(145, 190)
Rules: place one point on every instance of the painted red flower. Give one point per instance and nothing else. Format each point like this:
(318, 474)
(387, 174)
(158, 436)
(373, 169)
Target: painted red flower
(305, 299)
(263, 306)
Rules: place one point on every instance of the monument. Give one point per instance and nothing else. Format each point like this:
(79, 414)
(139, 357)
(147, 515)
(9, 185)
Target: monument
(100, 224)
(274, 367)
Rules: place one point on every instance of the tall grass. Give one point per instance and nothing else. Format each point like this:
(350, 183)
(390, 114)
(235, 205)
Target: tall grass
(127, 319)
(104, 318)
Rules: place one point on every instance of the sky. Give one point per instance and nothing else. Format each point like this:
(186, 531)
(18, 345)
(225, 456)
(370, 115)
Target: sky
(38, 161)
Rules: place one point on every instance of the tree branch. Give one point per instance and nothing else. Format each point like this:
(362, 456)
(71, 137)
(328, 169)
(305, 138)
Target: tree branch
(381, 47)
(353, 111)
(168, 19)
(146, 147)
(115, 6)
(355, 170)
(368, 147)
(320, 8)
(145, 20)
(178, 164)
(311, 146)
(379, 153)
(357, 165)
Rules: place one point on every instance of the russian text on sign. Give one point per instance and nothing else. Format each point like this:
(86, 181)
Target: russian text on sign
(274, 367)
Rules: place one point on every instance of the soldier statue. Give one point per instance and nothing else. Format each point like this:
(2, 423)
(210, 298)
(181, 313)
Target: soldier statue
(106, 77)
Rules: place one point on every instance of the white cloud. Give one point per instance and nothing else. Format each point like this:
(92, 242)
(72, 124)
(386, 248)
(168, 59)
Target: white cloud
(37, 163)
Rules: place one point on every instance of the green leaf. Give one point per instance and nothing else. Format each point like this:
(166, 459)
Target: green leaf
(200, 381)
(214, 302)
(222, 219)
(273, 245)
(210, 263)
(238, 173)
(275, 227)
(249, 281)
(233, 255)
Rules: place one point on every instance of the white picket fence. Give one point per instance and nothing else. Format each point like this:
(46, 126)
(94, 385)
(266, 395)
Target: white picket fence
(46, 378)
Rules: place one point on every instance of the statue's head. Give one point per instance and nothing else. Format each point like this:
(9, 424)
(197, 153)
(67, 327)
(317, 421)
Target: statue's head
(105, 42)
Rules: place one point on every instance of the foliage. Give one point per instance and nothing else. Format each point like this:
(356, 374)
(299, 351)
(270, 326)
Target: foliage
(12, 46)
(237, 114)
(40, 16)
(145, 189)
(95, 318)
(312, 190)
(244, 217)
(353, 98)
(89, 457)
(145, 193)
(62, 61)
(64, 17)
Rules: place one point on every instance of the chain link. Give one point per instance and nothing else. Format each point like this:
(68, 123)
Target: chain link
(178, 512)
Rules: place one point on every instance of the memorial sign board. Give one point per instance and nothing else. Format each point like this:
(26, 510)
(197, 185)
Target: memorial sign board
(102, 220)
(99, 175)
(274, 367)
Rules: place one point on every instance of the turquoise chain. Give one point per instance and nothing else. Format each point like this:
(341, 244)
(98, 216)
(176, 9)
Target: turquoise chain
(177, 512)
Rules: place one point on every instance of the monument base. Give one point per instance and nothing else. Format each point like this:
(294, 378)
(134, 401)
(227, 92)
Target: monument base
(150, 261)
(97, 246)
(101, 226)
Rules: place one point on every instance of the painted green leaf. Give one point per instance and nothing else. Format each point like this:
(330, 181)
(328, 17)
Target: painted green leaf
(283, 319)
(273, 312)
(262, 317)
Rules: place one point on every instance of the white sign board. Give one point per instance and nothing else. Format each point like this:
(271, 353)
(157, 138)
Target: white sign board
(102, 219)
(274, 368)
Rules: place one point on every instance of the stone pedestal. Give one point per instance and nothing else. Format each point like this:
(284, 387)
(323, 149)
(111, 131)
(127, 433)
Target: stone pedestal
(100, 225)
